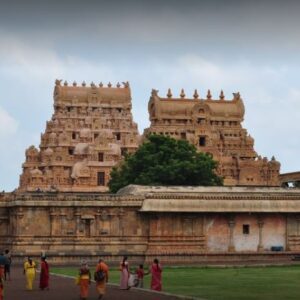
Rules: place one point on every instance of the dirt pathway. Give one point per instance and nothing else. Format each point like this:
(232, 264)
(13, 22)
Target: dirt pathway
(62, 288)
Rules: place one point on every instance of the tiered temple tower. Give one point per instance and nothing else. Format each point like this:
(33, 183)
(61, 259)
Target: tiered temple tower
(90, 131)
(214, 126)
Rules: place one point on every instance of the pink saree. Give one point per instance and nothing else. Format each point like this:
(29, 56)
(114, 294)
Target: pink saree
(124, 276)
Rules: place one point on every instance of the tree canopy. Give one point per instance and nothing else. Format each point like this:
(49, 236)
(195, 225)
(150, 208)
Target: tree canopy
(162, 160)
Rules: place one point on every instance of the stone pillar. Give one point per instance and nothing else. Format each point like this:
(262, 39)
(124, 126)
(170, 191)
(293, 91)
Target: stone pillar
(53, 216)
(121, 227)
(260, 246)
(105, 223)
(231, 224)
(62, 223)
(77, 220)
(298, 225)
(19, 217)
(11, 225)
(97, 222)
(92, 226)
(290, 230)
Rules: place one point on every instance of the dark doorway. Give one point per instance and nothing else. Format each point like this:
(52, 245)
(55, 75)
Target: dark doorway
(101, 178)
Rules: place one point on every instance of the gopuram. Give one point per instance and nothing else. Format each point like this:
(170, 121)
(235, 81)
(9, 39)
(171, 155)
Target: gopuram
(62, 206)
(214, 126)
(90, 130)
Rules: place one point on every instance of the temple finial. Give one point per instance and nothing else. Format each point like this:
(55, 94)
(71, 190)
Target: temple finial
(109, 85)
(83, 83)
(93, 84)
(196, 95)
(74, 83)
(101, 84)
(126, 84)
(154, 92)
(236, 96)
(182, 94)
(222, 96)
(118, 85)
(58, 82)
(65, 83)
(208, 96)
(169, 94)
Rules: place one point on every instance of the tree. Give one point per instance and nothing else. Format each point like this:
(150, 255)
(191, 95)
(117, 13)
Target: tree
(162, 160)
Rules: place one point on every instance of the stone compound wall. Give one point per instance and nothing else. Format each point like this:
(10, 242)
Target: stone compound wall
(72, 226)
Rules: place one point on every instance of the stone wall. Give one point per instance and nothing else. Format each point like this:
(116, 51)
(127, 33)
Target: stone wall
(70, 226)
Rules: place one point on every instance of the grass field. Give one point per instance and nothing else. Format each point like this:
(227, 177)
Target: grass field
(259, 283)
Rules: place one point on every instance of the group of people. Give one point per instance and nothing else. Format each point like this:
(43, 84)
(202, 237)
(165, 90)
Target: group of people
(100, 276)
(128, 279)
(30, 273)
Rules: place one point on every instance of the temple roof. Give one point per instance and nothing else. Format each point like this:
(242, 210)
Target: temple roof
(215, 199)
(216, 190)
(160, 107)
(93, 92)
(172, 199)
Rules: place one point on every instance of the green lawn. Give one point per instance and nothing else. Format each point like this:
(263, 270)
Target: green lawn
(265, 283)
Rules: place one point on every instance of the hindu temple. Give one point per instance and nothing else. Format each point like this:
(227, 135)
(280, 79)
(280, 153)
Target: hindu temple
(62, 206)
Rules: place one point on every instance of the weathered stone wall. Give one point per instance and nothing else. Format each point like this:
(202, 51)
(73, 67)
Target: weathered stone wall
(72, 226)
(245, 242)
(275, 231)
(217, 232)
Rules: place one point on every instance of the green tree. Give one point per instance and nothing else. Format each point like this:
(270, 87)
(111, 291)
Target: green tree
(162, 160)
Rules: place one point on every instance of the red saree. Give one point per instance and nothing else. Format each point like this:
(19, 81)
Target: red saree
(44, 277)
(156, 271)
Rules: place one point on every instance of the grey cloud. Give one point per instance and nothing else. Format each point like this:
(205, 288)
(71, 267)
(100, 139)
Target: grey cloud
(261, 25)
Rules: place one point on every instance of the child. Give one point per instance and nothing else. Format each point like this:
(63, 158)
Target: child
(140, 276)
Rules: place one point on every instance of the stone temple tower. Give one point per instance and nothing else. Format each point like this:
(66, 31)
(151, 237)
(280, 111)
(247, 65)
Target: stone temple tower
(215, 127)
(90, 131)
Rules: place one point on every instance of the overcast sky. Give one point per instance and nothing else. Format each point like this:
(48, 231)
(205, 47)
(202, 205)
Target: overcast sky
(247, 46)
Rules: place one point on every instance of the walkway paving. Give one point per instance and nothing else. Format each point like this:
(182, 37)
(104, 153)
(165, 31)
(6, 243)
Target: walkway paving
(62, 288)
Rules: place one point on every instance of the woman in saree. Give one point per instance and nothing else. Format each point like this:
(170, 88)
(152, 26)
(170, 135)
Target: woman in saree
(101, 282)
(44, 276)
(30, 272)
(84, 280)
(124, 268)
(156, 279)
